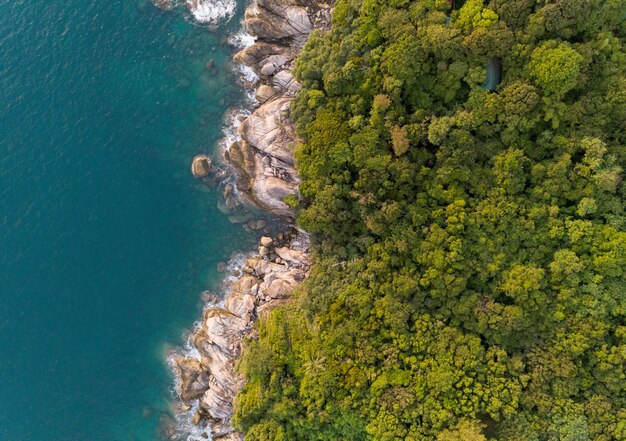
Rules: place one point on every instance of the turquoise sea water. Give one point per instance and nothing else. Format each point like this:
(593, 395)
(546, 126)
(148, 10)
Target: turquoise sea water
(106, 241)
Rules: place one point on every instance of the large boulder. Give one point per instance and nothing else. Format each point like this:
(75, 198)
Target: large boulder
(293, 256)
(201, 166)
(224, 329)
(261, 266)
(241, 299)
(194, 379)
(261, 53)
(285, 82)
(269, 130)
(265, 93)
(234, 436)
(263, 181)
(278, 19)
(279, 288)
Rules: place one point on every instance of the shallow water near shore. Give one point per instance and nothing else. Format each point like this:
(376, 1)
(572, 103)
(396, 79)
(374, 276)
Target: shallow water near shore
(106, 240)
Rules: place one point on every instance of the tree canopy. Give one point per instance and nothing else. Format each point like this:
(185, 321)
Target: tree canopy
(470, 245)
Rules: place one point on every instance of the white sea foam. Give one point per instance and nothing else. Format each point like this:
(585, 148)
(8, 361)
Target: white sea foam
(241, 40)
(188, 431)
(230, 130)
(248, 74)
(235, 268)
(212, 11)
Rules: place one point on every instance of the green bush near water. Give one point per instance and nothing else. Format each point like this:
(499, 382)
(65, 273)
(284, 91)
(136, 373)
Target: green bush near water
(470, 246)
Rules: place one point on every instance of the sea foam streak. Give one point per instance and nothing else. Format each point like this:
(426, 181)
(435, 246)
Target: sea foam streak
(212, 11)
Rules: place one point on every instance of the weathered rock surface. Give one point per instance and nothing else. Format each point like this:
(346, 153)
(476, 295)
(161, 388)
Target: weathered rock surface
(262, 52)
(264, 158)
(201, 166)
(194, 380)
(264, 180)
(269, 130)
(285, 82)
(278, 19)
(265, 93)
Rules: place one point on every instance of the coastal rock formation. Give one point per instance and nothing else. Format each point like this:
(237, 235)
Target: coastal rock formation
(262, 53)
(211, 381)
(263, 181)
(264, 157)
(263, 161)
(194, 380)
(278, 19)
(268, 130)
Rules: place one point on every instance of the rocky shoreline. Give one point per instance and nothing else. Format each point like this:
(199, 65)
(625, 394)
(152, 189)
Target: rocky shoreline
(209, 380)
(263, 164)
(263, 158)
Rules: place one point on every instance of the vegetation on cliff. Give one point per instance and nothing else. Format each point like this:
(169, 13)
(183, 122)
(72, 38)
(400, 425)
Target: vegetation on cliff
(470, 257)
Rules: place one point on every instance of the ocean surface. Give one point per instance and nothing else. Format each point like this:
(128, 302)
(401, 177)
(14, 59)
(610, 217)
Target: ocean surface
(106, 240)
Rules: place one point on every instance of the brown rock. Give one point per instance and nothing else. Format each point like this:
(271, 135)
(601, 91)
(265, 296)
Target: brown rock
(266, 130)
(268, 69)
(278, 19)
(228, 190)
(196, 418)
(194, 379)
(265, 93)
(285, 82)
(279, 288)
(201, 166)
(290, 255)
(262, 52)
(234, 436)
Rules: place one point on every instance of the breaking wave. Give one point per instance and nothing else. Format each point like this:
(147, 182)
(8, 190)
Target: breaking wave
(212, 11)
(241, 40)
(187, 430)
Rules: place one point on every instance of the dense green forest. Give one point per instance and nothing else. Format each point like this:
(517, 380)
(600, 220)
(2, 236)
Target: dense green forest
(469, 232)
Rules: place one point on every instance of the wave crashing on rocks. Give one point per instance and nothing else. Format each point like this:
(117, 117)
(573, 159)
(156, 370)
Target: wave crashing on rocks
(212, 11)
